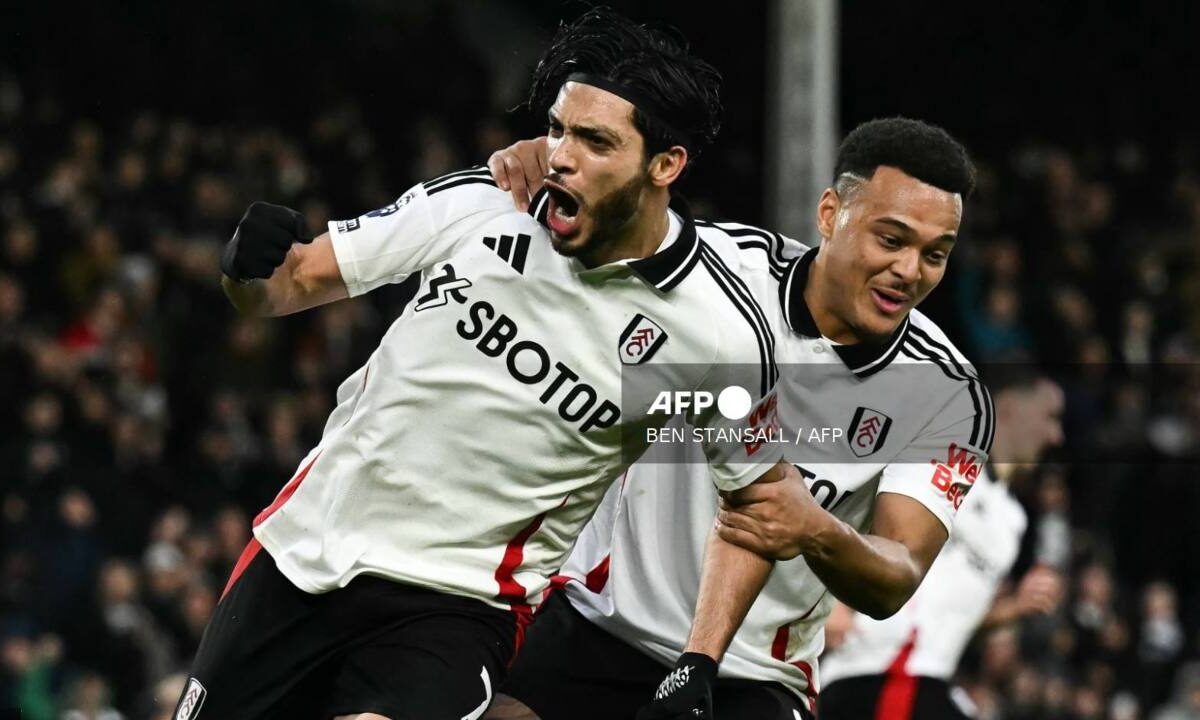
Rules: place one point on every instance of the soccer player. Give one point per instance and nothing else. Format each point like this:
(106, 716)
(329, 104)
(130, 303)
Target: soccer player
(859, 518)
(394, 573)
(900, 667)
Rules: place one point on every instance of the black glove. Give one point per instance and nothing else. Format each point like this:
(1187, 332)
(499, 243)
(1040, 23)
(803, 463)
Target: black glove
(686, 692)
(262, 241)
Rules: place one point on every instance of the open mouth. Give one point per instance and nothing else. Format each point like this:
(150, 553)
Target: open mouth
(888, 301)
(563, 215)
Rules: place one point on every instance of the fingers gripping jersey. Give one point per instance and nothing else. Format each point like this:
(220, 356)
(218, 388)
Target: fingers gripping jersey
(905, 427)
(476, 441)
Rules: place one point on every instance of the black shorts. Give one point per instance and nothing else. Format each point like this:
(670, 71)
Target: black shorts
(889, 697)
(570, 669)
(274, 651)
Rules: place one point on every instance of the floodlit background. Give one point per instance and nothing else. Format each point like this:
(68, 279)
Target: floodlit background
(142, 424)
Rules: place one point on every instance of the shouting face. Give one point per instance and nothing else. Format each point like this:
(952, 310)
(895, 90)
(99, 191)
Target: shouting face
(598, 170)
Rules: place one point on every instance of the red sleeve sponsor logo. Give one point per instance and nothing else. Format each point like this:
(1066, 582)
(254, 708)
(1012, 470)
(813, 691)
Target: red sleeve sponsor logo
(763, 424)
(954, 476)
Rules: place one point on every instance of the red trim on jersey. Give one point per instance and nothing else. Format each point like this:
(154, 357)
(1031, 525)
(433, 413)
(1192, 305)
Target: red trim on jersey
(899, 692)
(594, 581)
(511, 591)
(779, 652)
(779, 646)
(286, 493)
(597, 578)
(243, 561)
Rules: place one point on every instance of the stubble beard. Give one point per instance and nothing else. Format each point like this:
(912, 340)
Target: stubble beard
(611, 219)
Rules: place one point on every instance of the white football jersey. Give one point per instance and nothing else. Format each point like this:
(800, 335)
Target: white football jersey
(907, 416)
(936, 624)
(469, 451)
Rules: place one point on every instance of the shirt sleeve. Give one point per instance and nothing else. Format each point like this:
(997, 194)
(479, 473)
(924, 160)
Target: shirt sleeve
(424, 226)
(941, 464)
(741, 451)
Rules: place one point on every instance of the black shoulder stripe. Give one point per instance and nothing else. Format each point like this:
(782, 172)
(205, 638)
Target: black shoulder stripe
(772, 243)
(944, 350)
(969, 373)
(991, 406)
(759, 244)
(765, 379)
(539, 206)
(917, 353)
(469, 180)
(430, 184)
(740, 296)
(981, 424)
(746, 295)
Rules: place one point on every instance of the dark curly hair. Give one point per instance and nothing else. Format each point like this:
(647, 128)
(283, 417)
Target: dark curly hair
(923, 151)
(655, 63)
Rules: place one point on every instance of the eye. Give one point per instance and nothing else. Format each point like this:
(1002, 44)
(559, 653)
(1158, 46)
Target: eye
(937, 258)
(598, 142)
(555, 129)
(890, 242)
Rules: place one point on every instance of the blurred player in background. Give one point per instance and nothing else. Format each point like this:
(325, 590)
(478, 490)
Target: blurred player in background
(866, 518)
(405, 556)
(899, 668)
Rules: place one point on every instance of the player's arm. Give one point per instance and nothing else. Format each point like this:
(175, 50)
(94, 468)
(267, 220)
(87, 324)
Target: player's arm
(873, 573)
(730, 580)
(271, 267)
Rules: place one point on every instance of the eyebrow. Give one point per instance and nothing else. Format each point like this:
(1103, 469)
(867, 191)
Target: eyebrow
(588, 131)
(904, 228)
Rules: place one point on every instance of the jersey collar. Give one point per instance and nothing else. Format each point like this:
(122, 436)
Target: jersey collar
(664, 270)
(864, 359)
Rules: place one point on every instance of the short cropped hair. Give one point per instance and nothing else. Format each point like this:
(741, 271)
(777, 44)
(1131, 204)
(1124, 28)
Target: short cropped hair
(1002, 377)
(655, 63)
(923, 151)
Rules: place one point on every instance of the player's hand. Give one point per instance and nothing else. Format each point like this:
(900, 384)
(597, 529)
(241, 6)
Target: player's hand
(1039, 592)
(520, 169)
(261, 241)
(773, 517)
(686, 692)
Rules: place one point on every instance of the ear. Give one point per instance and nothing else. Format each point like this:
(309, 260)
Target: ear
(666, 167)
(827, 210)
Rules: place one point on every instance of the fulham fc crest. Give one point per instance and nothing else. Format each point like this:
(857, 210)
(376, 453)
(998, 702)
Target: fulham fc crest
(193, 698)
(868, 430)
(640, 339)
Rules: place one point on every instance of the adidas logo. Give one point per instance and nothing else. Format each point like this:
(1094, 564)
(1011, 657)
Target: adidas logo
(512, 251)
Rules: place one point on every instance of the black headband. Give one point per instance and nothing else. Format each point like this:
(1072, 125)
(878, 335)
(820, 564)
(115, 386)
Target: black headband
(644, 103)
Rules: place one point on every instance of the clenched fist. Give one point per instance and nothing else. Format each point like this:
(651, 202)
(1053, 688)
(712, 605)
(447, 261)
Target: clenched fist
(261, 241)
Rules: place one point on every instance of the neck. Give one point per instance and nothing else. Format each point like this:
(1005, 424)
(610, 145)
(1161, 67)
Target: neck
(639, 237)
(819, 292)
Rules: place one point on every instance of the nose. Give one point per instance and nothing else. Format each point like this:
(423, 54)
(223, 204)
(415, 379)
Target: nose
(907, 266)
(562, 156)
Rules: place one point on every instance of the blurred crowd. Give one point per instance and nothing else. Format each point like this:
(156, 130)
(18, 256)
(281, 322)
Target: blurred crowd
(147, 423)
